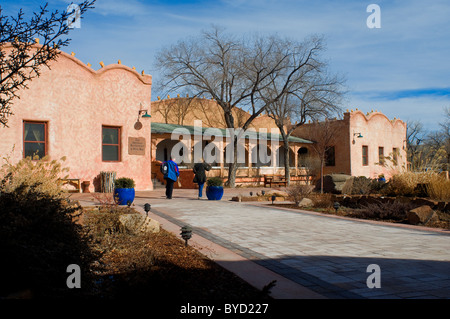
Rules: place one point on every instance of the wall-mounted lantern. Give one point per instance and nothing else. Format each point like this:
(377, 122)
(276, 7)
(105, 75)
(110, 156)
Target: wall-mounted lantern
(358, 135)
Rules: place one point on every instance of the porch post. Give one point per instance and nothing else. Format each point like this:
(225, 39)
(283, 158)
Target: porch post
(295, 150)
(248, 147)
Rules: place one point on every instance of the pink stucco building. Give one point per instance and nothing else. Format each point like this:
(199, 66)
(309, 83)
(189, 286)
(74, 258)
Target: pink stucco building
(91, 117)
(95, 119)
(363, 144)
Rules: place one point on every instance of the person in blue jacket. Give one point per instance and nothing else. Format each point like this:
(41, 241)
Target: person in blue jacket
(171, 173)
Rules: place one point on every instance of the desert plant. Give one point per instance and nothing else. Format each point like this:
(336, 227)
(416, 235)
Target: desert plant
(214, 181)
(124, 182)
(298, 192)
(438, 188)
(42, 175)
(39, 239)
(322, 200)
(406, 184)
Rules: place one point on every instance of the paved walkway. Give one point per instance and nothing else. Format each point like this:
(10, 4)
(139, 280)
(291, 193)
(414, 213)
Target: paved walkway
(309, 254)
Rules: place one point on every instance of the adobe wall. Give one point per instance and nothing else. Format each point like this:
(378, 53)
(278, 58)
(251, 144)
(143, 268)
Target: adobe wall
(341, 143)
(377, 131)
(76, 101)
(184, 111)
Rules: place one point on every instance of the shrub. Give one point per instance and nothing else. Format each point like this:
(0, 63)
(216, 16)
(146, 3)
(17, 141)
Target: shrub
(298, 192)
(103, 221)
(395, 210)
(362, 185)
(43, 176)
(124, 182)
(214, 181)
(408, 183)
(322, 200)
(38, 241)
(39, 236)
(438, 188)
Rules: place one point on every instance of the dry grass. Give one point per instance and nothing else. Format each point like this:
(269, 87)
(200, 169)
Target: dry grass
(405, 184)
(439, 188)
(429, 184)
(298, 192)
(322, 200)
(42, 175)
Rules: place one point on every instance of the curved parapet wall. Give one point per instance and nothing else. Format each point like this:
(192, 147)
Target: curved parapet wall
(381, 136)
(76, 101)
(373, 115)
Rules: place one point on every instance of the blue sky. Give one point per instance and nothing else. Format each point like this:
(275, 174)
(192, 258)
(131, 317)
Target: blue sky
(401, 69)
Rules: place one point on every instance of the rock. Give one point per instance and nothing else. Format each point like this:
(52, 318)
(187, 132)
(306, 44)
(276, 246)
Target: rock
(305, 202)
(138, 223)
(236, 198)
(278, 194)
(422, 215)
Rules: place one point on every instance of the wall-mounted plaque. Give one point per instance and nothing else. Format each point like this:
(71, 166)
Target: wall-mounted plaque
(136, 145)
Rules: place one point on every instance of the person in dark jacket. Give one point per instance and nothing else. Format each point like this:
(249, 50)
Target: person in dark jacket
(200, 176)
(171, 173)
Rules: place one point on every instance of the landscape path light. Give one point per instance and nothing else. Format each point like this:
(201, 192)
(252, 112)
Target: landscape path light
(186, 233)
(336, 206)
(147, 208)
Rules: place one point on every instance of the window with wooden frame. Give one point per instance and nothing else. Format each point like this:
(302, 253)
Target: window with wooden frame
(111, 146)
(365, 155)
(381, 158)
(35, 143)
(330, 156)
(395, 153)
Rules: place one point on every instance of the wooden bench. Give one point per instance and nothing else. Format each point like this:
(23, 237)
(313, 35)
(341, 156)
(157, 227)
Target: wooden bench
(276, 180)
(74, 182)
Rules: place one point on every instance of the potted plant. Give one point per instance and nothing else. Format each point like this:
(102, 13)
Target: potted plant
(124, 191)
(214, 188)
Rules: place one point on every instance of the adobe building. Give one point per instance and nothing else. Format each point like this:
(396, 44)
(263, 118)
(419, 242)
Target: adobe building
(93, 118)
(100, 121)
(203, 121)
(362, 145)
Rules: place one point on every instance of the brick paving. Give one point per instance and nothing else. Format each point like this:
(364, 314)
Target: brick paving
(324, 254)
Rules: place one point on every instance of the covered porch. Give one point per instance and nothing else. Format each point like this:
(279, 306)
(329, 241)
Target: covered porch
(258, 154)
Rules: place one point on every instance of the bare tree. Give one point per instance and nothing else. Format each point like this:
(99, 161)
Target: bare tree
(234, 72)
(415, 137)
(323, 134)
(445, 129)
(429, 150)
(175, 110)
(21, 59)
(311, 95)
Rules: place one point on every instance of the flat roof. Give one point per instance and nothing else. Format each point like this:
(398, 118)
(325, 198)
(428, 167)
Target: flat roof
(161, 128)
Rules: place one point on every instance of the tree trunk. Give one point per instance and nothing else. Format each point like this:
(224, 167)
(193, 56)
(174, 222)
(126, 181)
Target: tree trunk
(232, 167)
(321, 175)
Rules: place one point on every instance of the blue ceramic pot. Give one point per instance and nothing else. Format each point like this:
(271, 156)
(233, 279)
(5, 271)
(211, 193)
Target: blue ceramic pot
(214, 192)
(124, 195)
